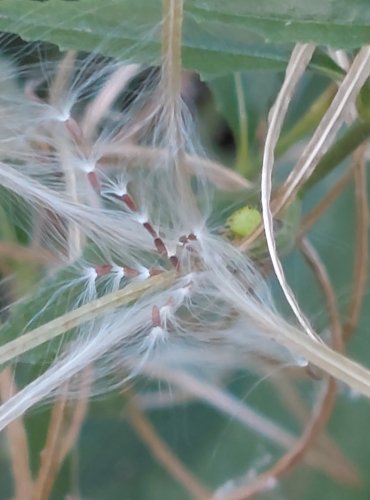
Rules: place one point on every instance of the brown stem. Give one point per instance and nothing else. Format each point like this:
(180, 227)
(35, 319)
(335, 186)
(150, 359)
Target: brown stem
(17, 443)
(326, 446)
(33, 255)
(230, 406)
(49, 464)
(323, 279)
(78, 417)
(361, 257)
(329, 198)
(164, 455)
(323, 408)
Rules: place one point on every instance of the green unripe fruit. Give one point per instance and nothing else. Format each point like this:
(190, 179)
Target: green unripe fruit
(243, 222)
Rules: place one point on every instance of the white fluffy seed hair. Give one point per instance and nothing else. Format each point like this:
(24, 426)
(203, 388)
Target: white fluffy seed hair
(122, 200)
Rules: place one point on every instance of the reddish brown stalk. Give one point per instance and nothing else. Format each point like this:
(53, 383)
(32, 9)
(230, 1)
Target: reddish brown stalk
(164, 455)
(361, 257)
(129, 202)
(49, 464)
(230, 406)
(79, 413)
(33, 255)
(329, 198)
(323, 279)
(17, 443)
(324, 406)
(150, 229)
(327, 447)
(60, 438)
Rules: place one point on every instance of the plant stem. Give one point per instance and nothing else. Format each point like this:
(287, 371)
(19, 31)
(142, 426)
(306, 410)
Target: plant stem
(307, 123)
(357, 133)
(242, 153)
(72, 319)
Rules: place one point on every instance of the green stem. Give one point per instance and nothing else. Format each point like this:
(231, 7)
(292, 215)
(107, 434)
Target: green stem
(307, 123)
(357, 133)
(242, 155)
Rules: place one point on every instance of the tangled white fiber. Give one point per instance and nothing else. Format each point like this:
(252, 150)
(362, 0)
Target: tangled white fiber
(138, 281)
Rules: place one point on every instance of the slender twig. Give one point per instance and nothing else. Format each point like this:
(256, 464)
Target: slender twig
(324, 281)
(164, 455)
(323, 408)
(17, 441)
(61, 438)
(33, 255)
(62, 144)
(298, 63)
(134, 154)
(314, 215)
(361, 257)
(295, 455)
(322, 138)
(327, 129)
(230, 406)
(354, 136)
(296, 406)
(78, 416)
(87, 312)
(96, 110)
(49, 464)
(62, 77)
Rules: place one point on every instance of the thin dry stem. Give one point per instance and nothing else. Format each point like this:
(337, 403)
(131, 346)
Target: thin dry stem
(322, 276)
(32, 255)
(17, 441)
(295, 455)
(63, 76)
(323, 408)
(161, 399)
(49, 464)
(171, 52)
(87, 312)
(318, 210)
(227, 404)
(361, 257)
(322, 138)
(222, 176)
(326, 446)
(328, 127)
(298, 63)
(164, 455)
(171, 114)
(78, 416)
(106, 97)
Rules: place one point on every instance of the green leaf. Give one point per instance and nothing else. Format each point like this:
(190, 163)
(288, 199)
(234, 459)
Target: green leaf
(257, 90)
(338, 23)
(219, 37)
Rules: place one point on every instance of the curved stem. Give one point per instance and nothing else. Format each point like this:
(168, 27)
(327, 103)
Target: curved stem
(323, 408)
(361, 258)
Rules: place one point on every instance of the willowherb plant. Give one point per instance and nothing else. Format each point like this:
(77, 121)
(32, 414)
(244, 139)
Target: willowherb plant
(118, 203)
